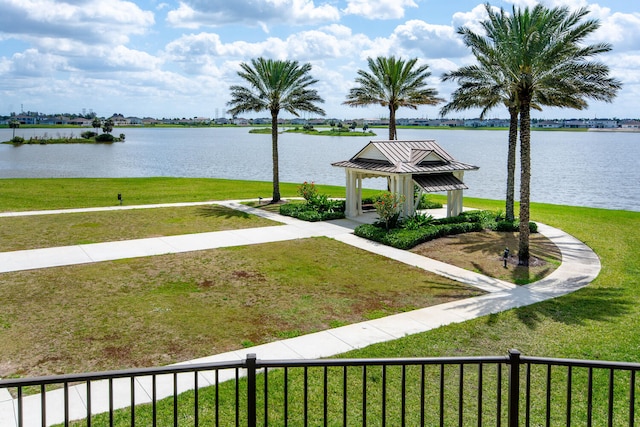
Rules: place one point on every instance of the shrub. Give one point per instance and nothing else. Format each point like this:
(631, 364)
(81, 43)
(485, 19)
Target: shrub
(416, 221)
(17, 140)
(411, 233)
(88, 134)
(105, 137)
(507, 226)
(317, 207)
(291, 209)
(387, 206)
(514, 226)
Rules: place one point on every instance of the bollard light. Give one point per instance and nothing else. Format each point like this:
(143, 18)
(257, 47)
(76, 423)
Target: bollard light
(259, 200)
(120, 198)
(505, 257)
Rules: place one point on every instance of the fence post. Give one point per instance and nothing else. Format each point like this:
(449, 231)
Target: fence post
(251, 390)
(514, 388)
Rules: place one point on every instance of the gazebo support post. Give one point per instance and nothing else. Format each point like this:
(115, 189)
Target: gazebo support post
(359, 195)
(454, 203)
(409, 209)
(351, 208)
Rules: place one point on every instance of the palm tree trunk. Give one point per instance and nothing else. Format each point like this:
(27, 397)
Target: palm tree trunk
(525, 180)
(511, 163)
(393, 133)
(274, 155)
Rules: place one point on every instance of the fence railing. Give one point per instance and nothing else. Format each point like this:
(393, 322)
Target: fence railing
(512, 390)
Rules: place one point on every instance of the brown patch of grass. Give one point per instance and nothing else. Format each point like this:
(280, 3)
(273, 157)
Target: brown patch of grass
(483, 252)
(28, 232)
(164, 309)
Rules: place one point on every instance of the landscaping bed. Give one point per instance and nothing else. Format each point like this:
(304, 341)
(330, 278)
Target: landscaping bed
(483, 252)
(420, 228)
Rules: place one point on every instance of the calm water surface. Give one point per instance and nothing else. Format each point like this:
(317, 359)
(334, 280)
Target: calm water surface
(572, 168)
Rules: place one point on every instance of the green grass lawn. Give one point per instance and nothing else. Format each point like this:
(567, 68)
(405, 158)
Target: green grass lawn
(30, 232)
(170, 308)
(600, 321)
(63, 193)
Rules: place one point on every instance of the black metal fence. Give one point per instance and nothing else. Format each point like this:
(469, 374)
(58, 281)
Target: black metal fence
(511, 390)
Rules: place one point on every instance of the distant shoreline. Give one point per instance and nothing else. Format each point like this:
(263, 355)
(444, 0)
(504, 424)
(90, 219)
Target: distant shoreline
(624, 130)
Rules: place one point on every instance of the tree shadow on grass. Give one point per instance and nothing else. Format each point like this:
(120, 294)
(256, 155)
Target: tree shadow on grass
(516, 274)
(594, 304)
(217, 211)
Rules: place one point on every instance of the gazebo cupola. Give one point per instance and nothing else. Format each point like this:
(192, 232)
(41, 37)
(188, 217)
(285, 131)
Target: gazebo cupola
(405, 163)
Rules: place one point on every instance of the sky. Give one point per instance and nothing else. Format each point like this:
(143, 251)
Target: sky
(166, 58)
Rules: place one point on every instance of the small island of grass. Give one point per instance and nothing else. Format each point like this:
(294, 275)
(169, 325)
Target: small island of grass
(310, 130)
(87, 137)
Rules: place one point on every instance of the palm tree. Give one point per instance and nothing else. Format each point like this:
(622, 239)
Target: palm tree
(96, 123)
(393, 83)
(483, 86)
(275, 85)
(13, 124)
(548, 64)
(541, 56)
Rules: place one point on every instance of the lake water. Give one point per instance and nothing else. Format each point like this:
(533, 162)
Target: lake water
(594, 169)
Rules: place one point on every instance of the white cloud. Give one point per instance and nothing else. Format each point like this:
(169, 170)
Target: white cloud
(378, 9)
(90, 21)
(622, 30)
(471, 19)
(32, 63)
(328, 43)
(213, 13)
(431, 41)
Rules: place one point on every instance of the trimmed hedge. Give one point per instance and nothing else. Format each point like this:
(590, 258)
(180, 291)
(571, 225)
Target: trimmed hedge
(309, 213)
(467, 222)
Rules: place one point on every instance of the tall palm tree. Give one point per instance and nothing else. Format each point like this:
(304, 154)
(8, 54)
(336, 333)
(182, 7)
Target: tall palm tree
(484, 86)
(540, 53)
(393, 83)
(275, 85)
(548, 63)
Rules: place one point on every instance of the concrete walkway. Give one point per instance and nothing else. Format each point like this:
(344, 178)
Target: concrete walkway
(579, 267)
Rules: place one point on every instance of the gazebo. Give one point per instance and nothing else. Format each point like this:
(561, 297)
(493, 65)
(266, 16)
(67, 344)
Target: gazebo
(405, 163)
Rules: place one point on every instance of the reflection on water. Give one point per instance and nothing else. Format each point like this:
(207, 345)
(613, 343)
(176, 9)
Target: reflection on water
(573, 168)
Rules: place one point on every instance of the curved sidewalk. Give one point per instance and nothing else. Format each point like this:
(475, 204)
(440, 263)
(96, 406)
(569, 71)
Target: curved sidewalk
(580, 265)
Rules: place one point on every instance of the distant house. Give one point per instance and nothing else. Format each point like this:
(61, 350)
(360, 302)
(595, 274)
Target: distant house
(134, 120)
(240, 121)
(602, 124)
(316, 122)
(474, 123)
(150, 121)
(119, 120)
(80, 121)
(575, 124)
(221, 121)
(548, 124)
(630, 124)
(452, 123)
(25, 119)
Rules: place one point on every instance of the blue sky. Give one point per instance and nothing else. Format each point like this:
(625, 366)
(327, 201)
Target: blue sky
(178, 58)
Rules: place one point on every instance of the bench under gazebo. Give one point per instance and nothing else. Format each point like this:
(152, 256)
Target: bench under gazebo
(405, 164)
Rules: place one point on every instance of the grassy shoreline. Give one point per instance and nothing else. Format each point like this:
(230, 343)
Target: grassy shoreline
(22, 194)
